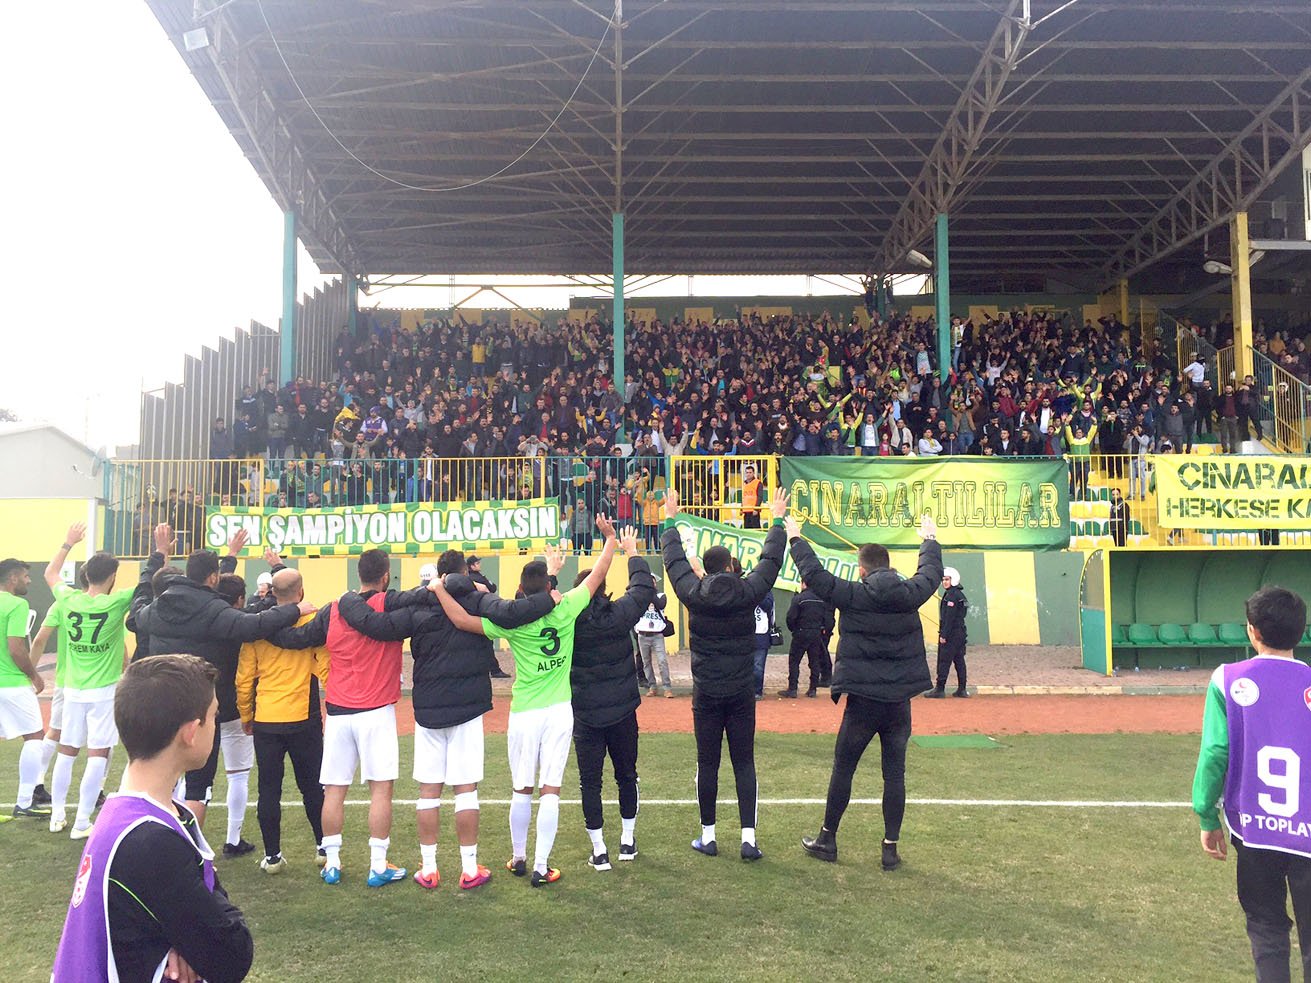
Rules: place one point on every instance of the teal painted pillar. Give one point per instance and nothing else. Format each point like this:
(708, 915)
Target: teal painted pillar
(352, 304)
(881, 296)
(617, 251)
(942, 293)
(288, 359)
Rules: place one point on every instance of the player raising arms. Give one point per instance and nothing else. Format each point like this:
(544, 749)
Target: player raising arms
(541, 720)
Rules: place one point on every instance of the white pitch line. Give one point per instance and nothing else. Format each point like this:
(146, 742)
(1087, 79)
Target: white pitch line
(966, 803)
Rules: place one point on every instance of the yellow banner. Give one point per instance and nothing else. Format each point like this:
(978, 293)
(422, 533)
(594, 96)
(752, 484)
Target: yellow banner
(1233, 492)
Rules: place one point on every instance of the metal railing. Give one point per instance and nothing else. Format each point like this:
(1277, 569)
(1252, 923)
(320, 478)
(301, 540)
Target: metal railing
(1284, 401)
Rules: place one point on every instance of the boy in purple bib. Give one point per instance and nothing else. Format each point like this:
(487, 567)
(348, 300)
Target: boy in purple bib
(146, 904)
(1256, 741)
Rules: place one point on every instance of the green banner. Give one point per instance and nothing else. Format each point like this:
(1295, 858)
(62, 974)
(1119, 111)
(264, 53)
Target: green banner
(699, 535)
(978, 502)
(410, 529)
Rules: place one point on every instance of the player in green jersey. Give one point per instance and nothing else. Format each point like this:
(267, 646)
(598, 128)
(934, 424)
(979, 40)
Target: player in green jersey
(20, 714)
(541, 723)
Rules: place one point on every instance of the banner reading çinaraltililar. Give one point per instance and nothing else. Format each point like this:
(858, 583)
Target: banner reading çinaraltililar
(977, 502)
(1233, 492)
(416, 527)
(699, 535)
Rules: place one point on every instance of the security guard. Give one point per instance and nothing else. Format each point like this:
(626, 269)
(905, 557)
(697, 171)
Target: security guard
(951, 635)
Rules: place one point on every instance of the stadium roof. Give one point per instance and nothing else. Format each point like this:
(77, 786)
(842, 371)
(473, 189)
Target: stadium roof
(1080, 139)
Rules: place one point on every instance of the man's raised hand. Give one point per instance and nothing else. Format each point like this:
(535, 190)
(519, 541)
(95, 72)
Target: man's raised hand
(779, 505)
(76, 533)
(793, 528)
(238, 542)
(671, 503)
(554, 559)
(928, 527)
(165, 541)
(271, 557)
(628, 540)
(606, 526)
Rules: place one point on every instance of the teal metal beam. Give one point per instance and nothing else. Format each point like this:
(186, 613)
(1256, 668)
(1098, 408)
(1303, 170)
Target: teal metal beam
(352, 304)
(942, 294)
(617, 250)
(287, 362)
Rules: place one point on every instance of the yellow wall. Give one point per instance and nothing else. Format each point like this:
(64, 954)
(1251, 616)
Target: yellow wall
(640, 314)
(34, 528)
(704, 314)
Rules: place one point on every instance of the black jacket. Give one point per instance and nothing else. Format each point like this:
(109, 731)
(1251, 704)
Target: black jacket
(880, 640)
(451, 684)
(951, 614)
(191, 619)
(143, 595)
(721, 617)
(478, 578)
(809, 613)
(604, 675)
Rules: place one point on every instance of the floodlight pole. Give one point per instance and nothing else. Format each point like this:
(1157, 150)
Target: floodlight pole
(942, 294)
(287, 361)
(617, 219)
(1240, 259)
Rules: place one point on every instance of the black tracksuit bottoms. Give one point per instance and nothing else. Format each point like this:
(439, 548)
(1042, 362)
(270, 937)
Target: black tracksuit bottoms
(1266, 878)
(951, 653)
(304, 745)
(861, 720)
(591, 744)
(807, 642)
(713, 718)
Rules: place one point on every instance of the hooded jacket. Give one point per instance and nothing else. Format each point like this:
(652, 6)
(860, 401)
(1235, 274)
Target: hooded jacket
(721, 614)
(604, 675)
(880, 639)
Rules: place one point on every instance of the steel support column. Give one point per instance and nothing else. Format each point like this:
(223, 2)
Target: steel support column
(1122, 301)
(1240, 258)
(287, 363)
(942, 294)
(352, 304)
(617, 251)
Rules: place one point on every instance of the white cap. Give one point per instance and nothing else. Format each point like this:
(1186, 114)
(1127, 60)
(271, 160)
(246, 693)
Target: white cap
(952, 575)
(264, 579)
(427, 572)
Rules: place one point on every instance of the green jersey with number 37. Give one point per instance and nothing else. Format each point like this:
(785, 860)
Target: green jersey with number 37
(543, 653)
(91, 648)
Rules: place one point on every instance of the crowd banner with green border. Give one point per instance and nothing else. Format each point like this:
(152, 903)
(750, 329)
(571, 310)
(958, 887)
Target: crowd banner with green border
(978, 503)
(700, 534)
(413, 528)
(1233, 492)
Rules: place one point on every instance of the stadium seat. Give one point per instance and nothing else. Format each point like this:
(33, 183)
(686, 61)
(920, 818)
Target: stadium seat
(1200, 633)
(1117, 634)
(1171, 634)
(1306, 636)
(1140, 634)
(1232, 633)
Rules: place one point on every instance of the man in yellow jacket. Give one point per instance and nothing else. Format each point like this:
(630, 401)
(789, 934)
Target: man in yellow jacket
(278, 699)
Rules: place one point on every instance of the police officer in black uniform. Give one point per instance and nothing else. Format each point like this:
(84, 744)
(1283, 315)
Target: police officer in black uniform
(475, 569)
(951, 635)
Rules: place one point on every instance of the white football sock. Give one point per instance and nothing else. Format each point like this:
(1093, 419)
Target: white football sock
(60, 781)
(598, 841)
(332, 850)
(93, 779)
(29, 772)
(707, 834)
(521, 815)
(626, 837)
(238, 797)
(378, 854)
(469, 860)
(548, 821)
(749, 835)
(428, 853)
(48, 749)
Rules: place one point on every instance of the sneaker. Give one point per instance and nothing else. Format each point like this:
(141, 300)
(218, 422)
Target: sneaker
(428, 882)
(517, 867)
(273, 865)
(58, 825)
(500, 674)
(628, 851)
(40, 797)
(751, 852)
(788, 694)
(669, 694)
(599, 861)
(331, 875)
(480, 878)
(79, 834)
(709, 849)
(890, 859)
(238, 849)
(33, 811)
(759, 697)
(389, 876)
(650, 692)
(321, 858)
(550, 877)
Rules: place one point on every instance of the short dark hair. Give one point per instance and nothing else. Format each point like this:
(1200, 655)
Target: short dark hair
(452, 561)
(156, 697)
(534, 579)
(1278, 615)
(159, 582)
(582, 575)
(873, 556)
(10, 567)
(100, 567)
(232, 589)
(201, 565)
(374, 565)
(716, 559)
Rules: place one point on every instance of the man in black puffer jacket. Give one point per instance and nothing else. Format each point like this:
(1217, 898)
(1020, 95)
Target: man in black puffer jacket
(722, 629)
(451, 693)
(881, 665)
(605, 699)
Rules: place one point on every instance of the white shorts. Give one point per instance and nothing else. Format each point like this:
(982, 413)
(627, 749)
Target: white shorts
(89, 725)
(20, 714)
(365, 739)
(449, 755)
(237, 746)
(57, 709)
(539, 741)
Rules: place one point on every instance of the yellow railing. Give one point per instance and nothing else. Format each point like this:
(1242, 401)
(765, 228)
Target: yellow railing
(712, 487)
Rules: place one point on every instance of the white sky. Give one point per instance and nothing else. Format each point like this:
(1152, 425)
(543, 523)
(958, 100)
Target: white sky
(134, 231)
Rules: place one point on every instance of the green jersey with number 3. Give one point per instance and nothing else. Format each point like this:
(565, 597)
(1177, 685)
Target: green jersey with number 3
(91, 649)
(543, 653)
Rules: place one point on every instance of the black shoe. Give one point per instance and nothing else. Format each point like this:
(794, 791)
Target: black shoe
(628, 851)
(40, 797)
(499, 673)
(811, 692)
(550, 877)
(35, 811)
(935, 694)
(709, 849)
(824, 846)
(760, 696)
(789, 694)
(517, 867)
(751, 852)
(960, 694)
(238, 849)
(599, 861)
(890, 859)
(826, 682)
